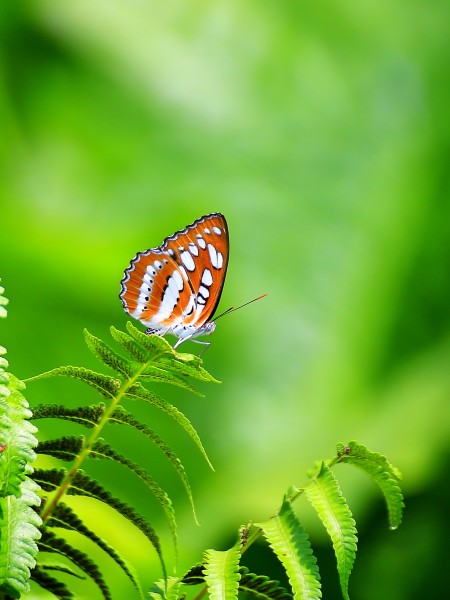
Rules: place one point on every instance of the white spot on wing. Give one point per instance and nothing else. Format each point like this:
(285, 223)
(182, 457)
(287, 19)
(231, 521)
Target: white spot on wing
(203, 291)
(207, 277)
(219, 260)
(207, 231)
(213, 256)
(217, 230)
(201, 242)
(193, 249)
(178, 280)
(188, 261)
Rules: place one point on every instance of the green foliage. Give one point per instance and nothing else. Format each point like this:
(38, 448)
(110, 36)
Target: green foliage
(151, 359)
(19, 522)
(221, 572)
(326, 498)
(289, 541)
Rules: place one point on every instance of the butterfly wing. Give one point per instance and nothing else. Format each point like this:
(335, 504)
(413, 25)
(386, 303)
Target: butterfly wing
(181, 281)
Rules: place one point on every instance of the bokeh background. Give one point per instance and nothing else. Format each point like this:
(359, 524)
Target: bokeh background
(321, 131)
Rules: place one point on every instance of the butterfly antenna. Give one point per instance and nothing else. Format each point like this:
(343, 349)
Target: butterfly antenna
(233, 308)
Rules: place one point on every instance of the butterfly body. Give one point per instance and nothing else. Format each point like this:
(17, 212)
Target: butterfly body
(176, 287)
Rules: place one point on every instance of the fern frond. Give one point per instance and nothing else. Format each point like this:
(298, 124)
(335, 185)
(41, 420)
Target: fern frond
(89, 416)
(51, 584)
(108, 356)
(385, 475)
(19, 531)
(166, 589)
(139, 392)
(63, 516)
(60, 568)
(221, 572)
(289, 541)
(103, 450)
(122, 416)
(105, 384)
(83, 485)
(326, 498)
(65, 448)
(16, 435)
(261, 586)
(52, 543)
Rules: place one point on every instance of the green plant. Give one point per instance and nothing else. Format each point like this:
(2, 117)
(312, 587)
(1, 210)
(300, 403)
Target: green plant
(151, 359)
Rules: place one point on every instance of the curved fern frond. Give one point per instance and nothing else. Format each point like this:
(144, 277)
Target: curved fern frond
(53, 585)
(19, 522)
(138, 392)
(221, 572)
(89, 416)
(385, 475)
(83, 485)
(261, 586)
(106, 385)
(52, 543)
(60, 568)
(326, 498)
(17, 438)
(65, 448)
(64, 517)
(19, 531)
(103, 450)
(108, 356)
(289, 541)
(122, 416)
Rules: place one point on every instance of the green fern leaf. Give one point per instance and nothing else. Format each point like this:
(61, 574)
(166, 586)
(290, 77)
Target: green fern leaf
(83, 485)
(166, 589)
(120, 415)
(52, 543)
(63, 516)
(138, 352)
(290, 543)
(17, 438)
(65, 448)
(51, 584)
(156, 345)
(103, 450)
(381, 471)
(60, 568)
(138, 392)
(105, 384)
(194, 576)
(261, 586)
(3, 303)
(110, 358)
(325, 496)
(161, 353)
(19, 531)
(158, 375)
(89, 416)
(221, 571)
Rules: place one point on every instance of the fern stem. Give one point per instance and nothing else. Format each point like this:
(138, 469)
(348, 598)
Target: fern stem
(52, 502)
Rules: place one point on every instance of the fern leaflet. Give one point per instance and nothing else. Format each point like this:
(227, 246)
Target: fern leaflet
(289, 541)
(325, 496)
(221, 573)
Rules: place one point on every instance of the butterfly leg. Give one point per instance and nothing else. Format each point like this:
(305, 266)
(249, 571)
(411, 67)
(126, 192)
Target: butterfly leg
(206, 344)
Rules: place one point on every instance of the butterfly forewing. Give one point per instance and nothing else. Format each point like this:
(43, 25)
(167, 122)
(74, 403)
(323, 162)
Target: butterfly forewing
(179, 282)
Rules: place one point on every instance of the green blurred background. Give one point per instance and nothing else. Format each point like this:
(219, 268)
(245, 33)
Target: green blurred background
(321, 131)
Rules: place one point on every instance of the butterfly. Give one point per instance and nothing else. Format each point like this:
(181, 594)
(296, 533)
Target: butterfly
(176, 287)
